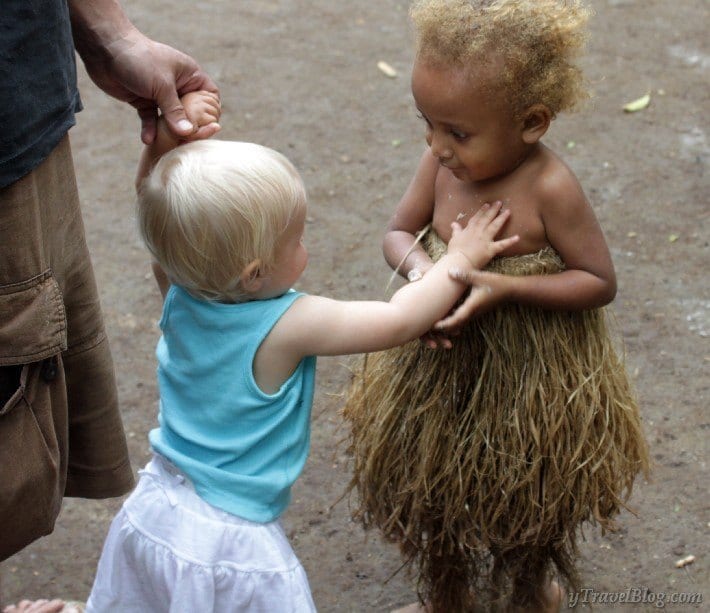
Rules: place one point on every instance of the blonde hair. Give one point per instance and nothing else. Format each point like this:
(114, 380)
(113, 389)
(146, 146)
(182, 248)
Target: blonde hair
(537, 41)
(209, 208)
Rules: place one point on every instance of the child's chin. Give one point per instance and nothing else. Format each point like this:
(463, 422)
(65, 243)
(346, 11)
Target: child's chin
(461, 174)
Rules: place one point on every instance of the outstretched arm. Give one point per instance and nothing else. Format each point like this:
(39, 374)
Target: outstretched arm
(416, 306)
(135, 69)
(319, 326)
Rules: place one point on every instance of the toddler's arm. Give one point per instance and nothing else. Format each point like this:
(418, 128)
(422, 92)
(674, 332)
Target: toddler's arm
(202, 109)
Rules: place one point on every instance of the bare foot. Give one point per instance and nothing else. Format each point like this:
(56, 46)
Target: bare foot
(35, 606)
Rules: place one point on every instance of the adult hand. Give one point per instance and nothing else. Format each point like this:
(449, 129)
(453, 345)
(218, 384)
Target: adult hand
(135, 69)
(150, 76)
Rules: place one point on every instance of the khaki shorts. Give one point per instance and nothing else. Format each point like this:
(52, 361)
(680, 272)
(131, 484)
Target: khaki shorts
(60, 428)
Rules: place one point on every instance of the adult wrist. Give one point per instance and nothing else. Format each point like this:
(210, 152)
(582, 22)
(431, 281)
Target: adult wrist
(100, 27)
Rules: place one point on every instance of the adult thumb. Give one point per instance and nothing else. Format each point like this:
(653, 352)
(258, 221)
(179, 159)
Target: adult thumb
(174, 113)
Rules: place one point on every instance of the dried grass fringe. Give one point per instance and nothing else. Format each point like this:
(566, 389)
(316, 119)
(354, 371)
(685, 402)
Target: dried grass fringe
(483, 462)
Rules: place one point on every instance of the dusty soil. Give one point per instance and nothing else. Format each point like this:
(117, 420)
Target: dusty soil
(302, 77)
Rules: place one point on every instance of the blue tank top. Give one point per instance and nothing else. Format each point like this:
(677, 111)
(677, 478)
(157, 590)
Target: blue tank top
(39, 94)
(241, 448)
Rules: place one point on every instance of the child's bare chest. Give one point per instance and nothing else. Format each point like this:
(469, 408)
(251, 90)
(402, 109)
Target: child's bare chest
(458, 201)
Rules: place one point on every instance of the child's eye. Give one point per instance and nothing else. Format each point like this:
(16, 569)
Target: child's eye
(458, 135)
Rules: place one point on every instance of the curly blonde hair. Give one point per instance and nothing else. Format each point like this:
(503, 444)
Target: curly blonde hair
(538, 42)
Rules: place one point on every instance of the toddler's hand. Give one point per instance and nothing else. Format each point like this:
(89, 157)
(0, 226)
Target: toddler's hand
(203, 110)
(477, 240)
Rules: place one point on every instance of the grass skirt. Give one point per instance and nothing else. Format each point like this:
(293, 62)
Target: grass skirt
(483, 461)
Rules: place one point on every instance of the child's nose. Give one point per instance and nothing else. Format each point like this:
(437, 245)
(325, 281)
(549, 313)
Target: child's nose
(440, 147)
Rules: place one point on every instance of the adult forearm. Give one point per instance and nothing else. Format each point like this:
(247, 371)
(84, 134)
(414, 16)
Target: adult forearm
(96, 24)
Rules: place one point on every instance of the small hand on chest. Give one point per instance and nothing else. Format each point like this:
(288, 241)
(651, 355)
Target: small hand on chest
(457, 201)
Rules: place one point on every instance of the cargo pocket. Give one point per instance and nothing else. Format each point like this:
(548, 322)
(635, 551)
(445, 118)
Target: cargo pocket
(33, 413)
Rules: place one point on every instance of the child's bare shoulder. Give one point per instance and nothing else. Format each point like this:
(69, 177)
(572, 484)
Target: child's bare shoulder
(556, 186)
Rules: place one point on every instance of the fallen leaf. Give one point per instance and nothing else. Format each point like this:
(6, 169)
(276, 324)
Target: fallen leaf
(672, 238)
(386, 69)
(683, 562)
(638, 104)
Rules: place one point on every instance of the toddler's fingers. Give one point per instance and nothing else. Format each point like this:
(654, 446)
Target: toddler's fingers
(490, 211)
(485, 207)
(203, 94)
(504, 243)
(210, 117)
(209, 106)
(213, 103)
(211, 95)
(494, 224)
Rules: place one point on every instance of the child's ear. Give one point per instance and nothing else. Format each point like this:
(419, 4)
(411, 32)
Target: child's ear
(536, 121)
(251, 278)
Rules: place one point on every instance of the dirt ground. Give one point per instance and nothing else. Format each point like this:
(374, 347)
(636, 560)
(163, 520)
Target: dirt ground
(302, 77)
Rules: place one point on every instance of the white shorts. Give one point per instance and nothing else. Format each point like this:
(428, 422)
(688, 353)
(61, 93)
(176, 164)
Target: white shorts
(170, 551)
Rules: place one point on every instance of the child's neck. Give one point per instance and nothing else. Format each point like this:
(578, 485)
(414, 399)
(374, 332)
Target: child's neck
(529, 154)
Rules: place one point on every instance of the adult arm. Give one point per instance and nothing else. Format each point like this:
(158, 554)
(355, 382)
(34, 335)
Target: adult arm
(133, 68)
